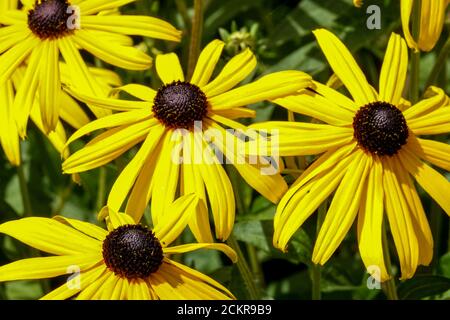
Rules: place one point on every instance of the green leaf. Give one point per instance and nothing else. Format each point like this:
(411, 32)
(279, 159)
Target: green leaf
(422, 286)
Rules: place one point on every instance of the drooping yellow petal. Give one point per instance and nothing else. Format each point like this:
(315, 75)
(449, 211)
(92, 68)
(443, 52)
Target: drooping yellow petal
(80, 75)
(11, 59)
(49, 85)
(166, 177)
(437, 186)
(418, 216)
(9, 134)
(400, 221)
(435, 152)
(127, 177)
(435, 122)
(27, 87)
(425, 106)
(345, 67)
(432, 18)
(393, 71)
(370, 222)
(192, 182)
(218, 187)
(343, 209)
(307, 193)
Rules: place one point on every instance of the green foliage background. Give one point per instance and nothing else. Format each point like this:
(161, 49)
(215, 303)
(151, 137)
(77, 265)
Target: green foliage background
(279, 32)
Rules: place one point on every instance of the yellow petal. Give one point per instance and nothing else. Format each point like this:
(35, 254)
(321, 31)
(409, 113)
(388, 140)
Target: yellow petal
(47, 267)
(269, 87)
(125, 57)
(418, 216)
(192, 182)
(393, 71)
(132, 25)
(345, 67)
(169, 68)
(197, 246)
(370, 222)
(343, 209)
(127, 177)
(138, 91)
(50, 236)
(106, 147)
(9, 134)
(49, 85)
(400, 221)
(175, 220)
(235, 71)
(316, 106)
(307, 193)
(76, 284)
(431, 181)
(206, 63)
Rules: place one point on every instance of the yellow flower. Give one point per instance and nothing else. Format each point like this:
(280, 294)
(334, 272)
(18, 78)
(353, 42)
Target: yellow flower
(46, 29)
(169, 114)
(432, 18)
(371, 149)
(127, 261)
(357, 3)
(70, 112)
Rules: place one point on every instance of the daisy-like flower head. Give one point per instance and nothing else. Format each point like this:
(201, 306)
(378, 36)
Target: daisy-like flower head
(45, 29)
(371, 150)
(169, 114)
(432, 18)
(126, 261)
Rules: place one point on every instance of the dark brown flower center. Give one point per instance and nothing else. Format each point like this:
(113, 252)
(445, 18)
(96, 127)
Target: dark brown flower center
(132, 251)
(380, 128)
(51, 19)
(180, 104)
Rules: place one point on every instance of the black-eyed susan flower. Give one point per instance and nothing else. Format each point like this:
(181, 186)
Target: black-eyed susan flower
(44, 30)
(371, 150)
(432, 18)
(169, 114)
(126, 261)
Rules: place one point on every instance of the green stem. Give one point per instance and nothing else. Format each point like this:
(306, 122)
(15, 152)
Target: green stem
(101, 188)
(196, 35)
(27, 211)
(388, 286)
(244, 269)
(316, 270)
(415, 56)
(439, 64)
